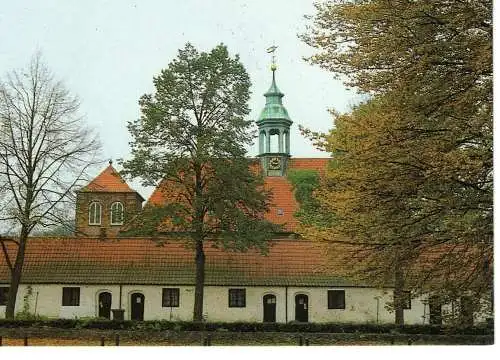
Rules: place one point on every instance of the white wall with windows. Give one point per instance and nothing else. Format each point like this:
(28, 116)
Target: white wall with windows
(360, 305)
(221, 303)
(216, 304)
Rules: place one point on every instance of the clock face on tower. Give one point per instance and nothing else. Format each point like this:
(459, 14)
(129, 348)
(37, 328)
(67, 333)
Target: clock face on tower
(274, 163)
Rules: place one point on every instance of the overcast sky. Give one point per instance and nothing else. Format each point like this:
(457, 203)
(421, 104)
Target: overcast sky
(107, 53)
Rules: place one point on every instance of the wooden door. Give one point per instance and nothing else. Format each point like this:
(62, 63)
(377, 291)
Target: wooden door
(105, 305)
(137, 306)
(301, 308)
(269, 302)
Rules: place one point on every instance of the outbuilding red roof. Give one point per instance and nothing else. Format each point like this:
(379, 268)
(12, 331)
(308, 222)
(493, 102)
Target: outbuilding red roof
(170, 261)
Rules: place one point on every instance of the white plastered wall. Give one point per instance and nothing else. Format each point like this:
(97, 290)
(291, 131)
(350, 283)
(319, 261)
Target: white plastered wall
(360, 306)
(153, 309)
(361, 303)
(216, 304)
(46, 300)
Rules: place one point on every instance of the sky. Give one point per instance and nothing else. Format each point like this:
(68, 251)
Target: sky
(107, 53)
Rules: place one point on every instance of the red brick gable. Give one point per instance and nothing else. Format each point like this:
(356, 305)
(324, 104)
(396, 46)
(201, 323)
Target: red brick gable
(283, 204)
(109, 180)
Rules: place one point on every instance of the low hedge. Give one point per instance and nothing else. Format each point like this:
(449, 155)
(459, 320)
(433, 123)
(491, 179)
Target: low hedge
(162, 325)
(145, 337)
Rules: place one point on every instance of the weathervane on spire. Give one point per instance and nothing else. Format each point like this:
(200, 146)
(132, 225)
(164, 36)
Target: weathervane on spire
(271, 50)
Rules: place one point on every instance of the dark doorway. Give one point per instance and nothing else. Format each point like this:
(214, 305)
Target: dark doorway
(301, 308)
(105, 305)
(466, 311)
(137, 307)
(269, 308)
(435, 317)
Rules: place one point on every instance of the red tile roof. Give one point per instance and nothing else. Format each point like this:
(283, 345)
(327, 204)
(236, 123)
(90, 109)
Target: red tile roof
(171, 262)
(283, 205)
(318, 164)
(143, 261)
(109, 180)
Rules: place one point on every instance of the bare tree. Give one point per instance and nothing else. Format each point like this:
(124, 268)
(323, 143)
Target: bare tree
(45, 150)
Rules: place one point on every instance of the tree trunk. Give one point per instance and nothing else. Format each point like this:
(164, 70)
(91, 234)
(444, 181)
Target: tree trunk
(16, 275)
(398, 294)
(200, 282)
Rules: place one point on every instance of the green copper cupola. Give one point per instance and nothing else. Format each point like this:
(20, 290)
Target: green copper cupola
(274, 131)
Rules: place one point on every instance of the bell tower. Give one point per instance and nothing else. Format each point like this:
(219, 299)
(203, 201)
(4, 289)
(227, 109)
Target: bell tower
(274, 129)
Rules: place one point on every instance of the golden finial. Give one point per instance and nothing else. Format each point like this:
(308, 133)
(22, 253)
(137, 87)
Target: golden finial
(271, 50)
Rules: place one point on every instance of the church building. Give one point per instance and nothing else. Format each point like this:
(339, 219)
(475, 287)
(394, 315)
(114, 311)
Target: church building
(98, 273)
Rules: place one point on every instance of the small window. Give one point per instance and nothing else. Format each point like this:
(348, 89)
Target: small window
(237, 297)
(170, 297)
(117, 213)
(336, 299)
(95, 214)
(4, 292)
(406, 295)
(281, 212)
(71, 296)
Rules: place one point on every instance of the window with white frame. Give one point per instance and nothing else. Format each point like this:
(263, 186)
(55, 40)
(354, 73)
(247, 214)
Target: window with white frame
(95, 213)
(117, 213)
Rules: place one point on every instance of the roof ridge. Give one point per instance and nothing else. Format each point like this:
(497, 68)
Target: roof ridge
(108, 180)
(152, 239)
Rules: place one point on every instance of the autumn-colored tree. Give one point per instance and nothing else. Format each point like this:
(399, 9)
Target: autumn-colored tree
(191, 141)
(413, 164)
(381, 201)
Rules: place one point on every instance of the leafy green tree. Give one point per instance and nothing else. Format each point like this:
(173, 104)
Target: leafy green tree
(414, 164)
(191, 139)
(310, 213)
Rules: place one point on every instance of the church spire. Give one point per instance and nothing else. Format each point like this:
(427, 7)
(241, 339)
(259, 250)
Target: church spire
(274, 128)
(273, 95)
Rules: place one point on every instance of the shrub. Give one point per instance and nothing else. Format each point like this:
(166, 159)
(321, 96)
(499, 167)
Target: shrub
(163, 325)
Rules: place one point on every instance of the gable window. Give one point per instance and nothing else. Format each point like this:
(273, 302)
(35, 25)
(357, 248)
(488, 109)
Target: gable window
(117, 213)
(336, 299)
(71, 296)
(237, 297)
(95, 214)
(4, 292)
(170, 297)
